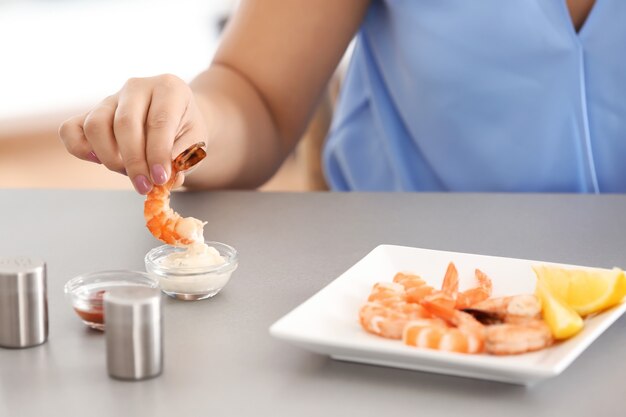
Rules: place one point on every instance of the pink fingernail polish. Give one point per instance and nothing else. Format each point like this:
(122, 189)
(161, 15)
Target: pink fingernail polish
(93, 157)
(159, 176)
(142, 184)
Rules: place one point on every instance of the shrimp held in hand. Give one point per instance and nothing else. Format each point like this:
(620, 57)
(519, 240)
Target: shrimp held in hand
(163, 222)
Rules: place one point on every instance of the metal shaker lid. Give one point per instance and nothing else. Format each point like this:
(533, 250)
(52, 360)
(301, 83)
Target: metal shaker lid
(130, 297)
(23, 302)
(132, 306)
(21, 273)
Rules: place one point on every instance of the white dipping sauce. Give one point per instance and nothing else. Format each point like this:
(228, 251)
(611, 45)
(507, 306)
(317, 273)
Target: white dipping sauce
(191, 228)
(196, 255)
(197, 273)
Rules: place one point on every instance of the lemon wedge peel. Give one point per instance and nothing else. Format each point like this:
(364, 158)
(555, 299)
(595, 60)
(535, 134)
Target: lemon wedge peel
(587, 291)
(562, 320)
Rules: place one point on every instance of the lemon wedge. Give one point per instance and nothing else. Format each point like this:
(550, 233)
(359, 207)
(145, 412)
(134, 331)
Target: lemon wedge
(587, 291)
(562, 320)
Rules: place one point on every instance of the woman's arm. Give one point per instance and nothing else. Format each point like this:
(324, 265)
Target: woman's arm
(251, 105)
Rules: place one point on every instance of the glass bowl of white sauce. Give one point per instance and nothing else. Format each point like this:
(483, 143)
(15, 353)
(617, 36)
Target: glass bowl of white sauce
(194, 272)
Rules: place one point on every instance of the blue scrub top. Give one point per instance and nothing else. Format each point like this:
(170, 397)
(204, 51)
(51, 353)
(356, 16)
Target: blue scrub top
(483, 95)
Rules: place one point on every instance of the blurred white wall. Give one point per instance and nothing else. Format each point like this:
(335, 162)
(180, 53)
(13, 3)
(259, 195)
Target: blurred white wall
(61, 57)
(69, 54)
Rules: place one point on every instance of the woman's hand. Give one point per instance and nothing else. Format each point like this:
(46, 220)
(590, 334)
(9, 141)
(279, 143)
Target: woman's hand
(250, 106)
(134, 131)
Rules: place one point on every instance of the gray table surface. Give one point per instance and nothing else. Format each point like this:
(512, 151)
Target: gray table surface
(219, 356)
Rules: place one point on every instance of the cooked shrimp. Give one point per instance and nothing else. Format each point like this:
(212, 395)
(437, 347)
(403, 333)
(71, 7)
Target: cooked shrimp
(386, 311)
(511, 309)
(449, 288)
(163, 222)
(417, 289)
(414, 286)
(389, 320)
(475, 295)
(512, 339)
(387, 293)
(520, 328)
(446, 319)
(451, 330)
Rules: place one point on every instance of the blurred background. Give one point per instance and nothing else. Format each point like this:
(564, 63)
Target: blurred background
(59, 58)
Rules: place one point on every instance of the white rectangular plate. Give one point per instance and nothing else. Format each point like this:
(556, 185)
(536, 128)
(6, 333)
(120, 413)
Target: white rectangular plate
(327, 323)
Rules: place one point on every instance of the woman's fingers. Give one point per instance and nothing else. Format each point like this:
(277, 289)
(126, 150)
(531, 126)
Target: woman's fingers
(128, 128)
(73, 138)
(135, 130)
(98, 130)
(170, 98)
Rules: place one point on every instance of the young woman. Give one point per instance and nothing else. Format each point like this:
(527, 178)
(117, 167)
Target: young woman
(485, 95)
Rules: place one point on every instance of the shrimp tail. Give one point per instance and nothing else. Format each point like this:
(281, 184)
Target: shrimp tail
(450, 286)
(467, 299)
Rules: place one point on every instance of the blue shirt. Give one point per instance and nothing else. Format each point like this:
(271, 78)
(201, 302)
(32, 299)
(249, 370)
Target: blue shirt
(483, 95)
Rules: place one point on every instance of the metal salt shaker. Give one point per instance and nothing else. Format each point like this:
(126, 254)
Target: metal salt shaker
(134, 332)
(23, 302)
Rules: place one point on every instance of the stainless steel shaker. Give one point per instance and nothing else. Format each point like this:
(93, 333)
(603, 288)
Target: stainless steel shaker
(23, 302)
(133, 326)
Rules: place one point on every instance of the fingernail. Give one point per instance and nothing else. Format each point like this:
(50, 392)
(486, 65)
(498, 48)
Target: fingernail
(142, 185)
(93, 157)
(159, 176)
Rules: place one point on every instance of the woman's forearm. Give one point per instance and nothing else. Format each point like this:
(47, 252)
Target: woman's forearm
(245, 147)
(272, 66)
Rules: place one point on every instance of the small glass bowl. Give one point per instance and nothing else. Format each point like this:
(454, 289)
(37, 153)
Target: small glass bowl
(86, 291)
(191, 283)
